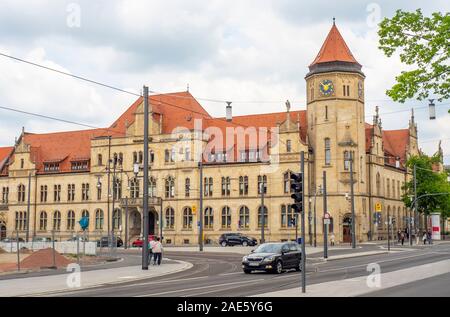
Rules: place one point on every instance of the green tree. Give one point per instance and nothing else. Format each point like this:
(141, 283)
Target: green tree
(428, 182)
(423, 44)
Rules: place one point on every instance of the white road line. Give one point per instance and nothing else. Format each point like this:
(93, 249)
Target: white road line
(197, 288)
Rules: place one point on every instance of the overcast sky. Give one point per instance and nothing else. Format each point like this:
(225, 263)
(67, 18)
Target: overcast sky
(254, 53)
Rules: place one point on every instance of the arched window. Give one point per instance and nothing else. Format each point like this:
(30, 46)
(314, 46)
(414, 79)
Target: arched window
(117, 188)
(57, 221)
(208, 186)
(187, 218)
(70, 220)
(99, 219)
(99, 160)
(327, 151)
(21, 193)
(187, 187)
(209, 218)
(141, 157)
(243, 185)
(244, 217)
(287, 182)
(226, 186)
(226, 217)
(134, 187)
(260, 217)
(117, 219)
(262, 182)
(170, 218)
(289, 146)
(378, 181)
(170, 187)
(43, 221)
(135, 157)
(287, 216)
(21, 220)
(152, 187)
(346, 160)
(85, 214)
(388, 188)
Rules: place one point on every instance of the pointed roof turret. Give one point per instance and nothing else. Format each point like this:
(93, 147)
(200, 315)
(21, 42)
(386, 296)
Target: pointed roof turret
(334, 55)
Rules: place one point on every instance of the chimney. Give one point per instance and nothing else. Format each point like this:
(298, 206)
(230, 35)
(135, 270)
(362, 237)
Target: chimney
(229, 111)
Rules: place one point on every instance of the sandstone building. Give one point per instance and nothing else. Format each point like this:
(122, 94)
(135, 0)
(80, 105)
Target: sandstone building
(65, 175)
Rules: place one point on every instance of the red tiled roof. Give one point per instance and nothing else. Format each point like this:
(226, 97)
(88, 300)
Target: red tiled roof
(5, 152)
(334, 49)
(178, 110)
(62, 147)
(396, 142)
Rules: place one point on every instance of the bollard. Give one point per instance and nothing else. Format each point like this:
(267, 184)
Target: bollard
(18, 251)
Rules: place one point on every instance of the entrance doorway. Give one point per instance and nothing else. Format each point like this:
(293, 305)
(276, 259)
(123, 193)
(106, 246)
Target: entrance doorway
(151, 223)
(347, 229)
(135, 223)
(2, 231)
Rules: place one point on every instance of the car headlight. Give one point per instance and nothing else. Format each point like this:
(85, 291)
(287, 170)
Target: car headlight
(269, 258)
(244, 259)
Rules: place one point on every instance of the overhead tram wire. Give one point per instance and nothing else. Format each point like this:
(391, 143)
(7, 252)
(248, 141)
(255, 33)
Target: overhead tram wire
(154, 92)
(136, 94)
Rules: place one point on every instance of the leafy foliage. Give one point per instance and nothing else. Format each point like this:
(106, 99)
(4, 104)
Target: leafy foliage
(428, 182)
(423, 44)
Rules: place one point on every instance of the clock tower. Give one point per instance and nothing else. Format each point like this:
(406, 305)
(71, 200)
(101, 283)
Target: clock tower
(336, 125)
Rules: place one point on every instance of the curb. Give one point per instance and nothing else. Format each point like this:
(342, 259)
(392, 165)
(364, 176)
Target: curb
(186, 267)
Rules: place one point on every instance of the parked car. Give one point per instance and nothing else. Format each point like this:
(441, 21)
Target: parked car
(230, 239)
(42, 239)
(103, 242)
(139, 242)
(80, 238)
(273, 257)
(8, 240)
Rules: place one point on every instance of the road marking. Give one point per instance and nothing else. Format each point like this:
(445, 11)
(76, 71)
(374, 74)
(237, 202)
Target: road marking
(197, 288)
(127, 277)
(234, 273)
(221, 290)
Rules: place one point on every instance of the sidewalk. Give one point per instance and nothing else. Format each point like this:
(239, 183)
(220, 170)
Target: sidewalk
(33, 286)
(366, 284)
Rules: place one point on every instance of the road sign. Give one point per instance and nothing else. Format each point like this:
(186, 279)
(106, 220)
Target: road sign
(378, 207)
(194, 208)
(327, 216)
(327, 221)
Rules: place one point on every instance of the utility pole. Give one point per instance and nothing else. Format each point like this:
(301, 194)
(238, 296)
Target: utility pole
(315, 216)
(28, 208)
(352, 194)
(113, 206)
(325, 231)
(126, 222)
(200, 229)
(302, 169)
(415, 208)
(161, 219)
(389, 230)
(263, 210)
(145, 201)
(109, 183)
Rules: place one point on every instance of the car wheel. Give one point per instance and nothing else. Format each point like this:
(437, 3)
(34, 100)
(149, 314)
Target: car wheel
(279, 267)
(244, 244)
(224, 243)
(298, 268)
(247, 271)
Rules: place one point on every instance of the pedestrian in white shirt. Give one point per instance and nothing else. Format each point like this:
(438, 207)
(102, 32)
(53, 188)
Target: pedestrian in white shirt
(157, 251)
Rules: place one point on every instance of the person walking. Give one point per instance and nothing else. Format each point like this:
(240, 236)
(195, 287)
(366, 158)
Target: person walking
(424, 238)
(430, 241)
(151, 245)
(402, 237)
(332, 237)
(157, 251)
(399, 236)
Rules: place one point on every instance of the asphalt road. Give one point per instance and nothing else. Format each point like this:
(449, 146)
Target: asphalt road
(220, 275)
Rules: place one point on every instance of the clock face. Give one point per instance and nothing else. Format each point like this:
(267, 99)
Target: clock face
(360, 89)
(326, 87)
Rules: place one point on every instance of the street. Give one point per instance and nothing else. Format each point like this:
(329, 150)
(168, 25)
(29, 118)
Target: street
(220, 275)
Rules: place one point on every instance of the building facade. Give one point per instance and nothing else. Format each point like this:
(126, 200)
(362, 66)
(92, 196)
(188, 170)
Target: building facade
(50, 181)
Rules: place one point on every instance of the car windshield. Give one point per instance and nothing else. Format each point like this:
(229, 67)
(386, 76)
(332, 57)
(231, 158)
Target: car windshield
(269, 248)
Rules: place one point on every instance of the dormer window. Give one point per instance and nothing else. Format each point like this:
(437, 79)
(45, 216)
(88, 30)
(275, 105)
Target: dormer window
(80, 166)
(51, 167)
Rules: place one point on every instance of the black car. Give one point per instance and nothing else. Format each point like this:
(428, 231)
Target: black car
(236, 239)
(104, 242)
(273, 257)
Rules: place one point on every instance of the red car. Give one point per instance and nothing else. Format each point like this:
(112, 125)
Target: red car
(138, 243)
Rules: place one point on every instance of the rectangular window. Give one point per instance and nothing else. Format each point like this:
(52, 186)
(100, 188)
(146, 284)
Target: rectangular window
(288, 146)
(57, 193)
(327, 152)
(326, 112)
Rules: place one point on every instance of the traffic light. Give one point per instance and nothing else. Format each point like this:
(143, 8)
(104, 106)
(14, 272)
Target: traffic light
(297, 192)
